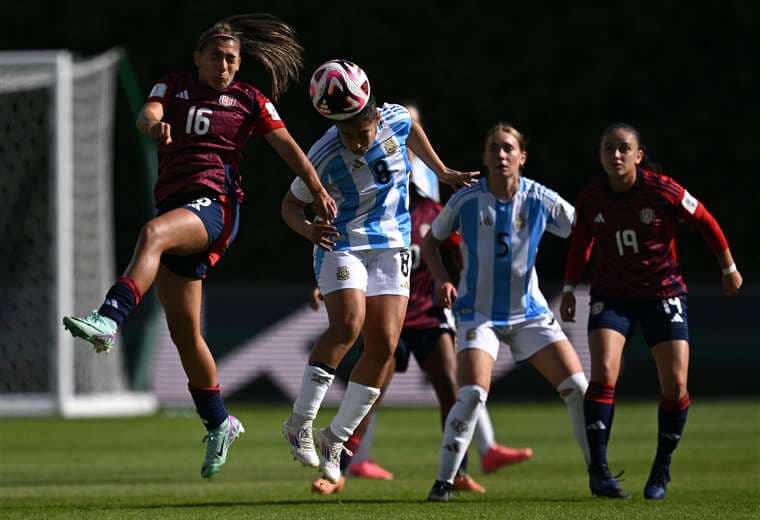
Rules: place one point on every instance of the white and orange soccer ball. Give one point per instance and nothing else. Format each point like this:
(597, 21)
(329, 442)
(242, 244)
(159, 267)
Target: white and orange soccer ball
(339, 89)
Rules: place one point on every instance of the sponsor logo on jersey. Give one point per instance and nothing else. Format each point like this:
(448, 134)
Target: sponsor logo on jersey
(646, 216)
(358, 163)
(599, 219)
(597, 308)
(390, 146)
(182, 95)
(159, 89)
(342, 273)
(226, 100)
(689, 202)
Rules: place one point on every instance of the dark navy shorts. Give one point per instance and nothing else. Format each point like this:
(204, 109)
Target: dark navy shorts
(220, 215)
(420, 342)
(660, 320)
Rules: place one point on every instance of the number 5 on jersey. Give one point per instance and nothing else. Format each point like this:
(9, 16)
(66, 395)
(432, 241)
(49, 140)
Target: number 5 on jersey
(626, 238)
(197, 120)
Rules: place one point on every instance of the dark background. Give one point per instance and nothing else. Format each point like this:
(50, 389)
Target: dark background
(686, 76)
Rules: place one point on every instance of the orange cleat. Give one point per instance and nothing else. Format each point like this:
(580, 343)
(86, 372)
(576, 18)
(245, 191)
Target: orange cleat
(498, 456)
(369, 469)
(464, 482)
(322, 486)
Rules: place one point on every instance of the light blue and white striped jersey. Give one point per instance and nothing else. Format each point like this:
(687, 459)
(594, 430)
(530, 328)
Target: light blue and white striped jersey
(371, 190)
(500, 242)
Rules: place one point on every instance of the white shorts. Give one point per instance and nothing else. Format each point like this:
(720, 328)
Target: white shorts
(524, 339)
(374, 271)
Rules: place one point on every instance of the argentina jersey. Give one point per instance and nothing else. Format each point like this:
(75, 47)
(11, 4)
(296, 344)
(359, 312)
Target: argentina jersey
(500, 242)
(371, 190)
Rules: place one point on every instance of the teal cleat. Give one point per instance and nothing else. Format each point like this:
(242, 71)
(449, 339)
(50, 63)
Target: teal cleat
(96, 329)
(218, 443)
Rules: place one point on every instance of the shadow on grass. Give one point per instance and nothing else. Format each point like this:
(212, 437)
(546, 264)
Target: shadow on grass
(322, 501)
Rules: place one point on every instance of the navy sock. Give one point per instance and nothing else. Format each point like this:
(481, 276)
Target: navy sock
(671, 420)
(599, 410)
(209, 405)
(121, 298)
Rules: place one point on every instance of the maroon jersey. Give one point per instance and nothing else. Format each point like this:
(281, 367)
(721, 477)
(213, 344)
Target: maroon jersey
(634, 234)
(209, 128)
(421, 312)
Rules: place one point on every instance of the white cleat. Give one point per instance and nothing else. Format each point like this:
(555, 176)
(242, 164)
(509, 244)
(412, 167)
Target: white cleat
(330, 457)
(301, 444)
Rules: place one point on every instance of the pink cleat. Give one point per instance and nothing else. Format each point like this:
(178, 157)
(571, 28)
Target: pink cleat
(498, 456)
(369, 469)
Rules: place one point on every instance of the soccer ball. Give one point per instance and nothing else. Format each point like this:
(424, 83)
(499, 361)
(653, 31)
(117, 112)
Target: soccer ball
(339, 89)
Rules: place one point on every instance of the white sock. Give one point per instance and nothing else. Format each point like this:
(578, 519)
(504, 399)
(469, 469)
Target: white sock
(460, 425)
(365, 448)
(577, 385)
(355, 405)
(484, 436)
(314, 386)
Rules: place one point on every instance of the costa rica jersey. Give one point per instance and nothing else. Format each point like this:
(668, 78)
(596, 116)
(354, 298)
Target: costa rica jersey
(499, 245)
(209, 129)
(371, 190)
(633, 235)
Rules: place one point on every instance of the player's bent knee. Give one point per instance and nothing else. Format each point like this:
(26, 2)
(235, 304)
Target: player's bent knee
(152, 234)
(574, 387)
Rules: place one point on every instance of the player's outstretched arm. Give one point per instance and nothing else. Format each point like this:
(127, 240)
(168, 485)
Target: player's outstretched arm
(319, 234)
(286, 147)
(420, 145)
(149, 122)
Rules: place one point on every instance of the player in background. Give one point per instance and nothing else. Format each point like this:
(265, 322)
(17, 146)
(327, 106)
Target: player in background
(428, 333)
(364, 276)
(201, 121)
(631, 214)
(501, 219)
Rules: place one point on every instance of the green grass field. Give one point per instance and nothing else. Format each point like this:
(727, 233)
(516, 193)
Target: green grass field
(149, 468)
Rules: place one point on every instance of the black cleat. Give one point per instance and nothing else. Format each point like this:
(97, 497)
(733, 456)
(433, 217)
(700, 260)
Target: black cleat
(441, 492)
(603, 484)
(655, 488)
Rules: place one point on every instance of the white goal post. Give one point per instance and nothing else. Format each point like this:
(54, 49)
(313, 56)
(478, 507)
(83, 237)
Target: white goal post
(57, 245)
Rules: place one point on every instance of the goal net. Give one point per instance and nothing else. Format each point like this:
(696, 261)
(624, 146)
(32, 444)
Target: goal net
(57, 251)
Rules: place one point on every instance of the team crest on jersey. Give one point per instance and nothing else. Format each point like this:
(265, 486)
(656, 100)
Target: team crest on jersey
(342, 273)
(597, 308)
(646, 215)
(519, 222)
(226, 100)
(390, 146)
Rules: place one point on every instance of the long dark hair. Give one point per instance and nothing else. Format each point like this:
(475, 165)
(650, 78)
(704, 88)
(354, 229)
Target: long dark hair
(266, 39)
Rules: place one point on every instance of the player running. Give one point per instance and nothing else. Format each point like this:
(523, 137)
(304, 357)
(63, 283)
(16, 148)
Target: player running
(201, 122)
(501, 219)
(631, 215)
(363, 263)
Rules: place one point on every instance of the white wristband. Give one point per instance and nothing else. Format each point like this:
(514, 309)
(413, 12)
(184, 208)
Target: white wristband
(568, 288)
(730, 269)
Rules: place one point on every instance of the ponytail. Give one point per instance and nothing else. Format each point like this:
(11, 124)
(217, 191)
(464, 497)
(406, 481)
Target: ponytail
(267, 40)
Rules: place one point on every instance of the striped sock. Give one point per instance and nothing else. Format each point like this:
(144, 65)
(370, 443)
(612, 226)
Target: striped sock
(598, 410)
